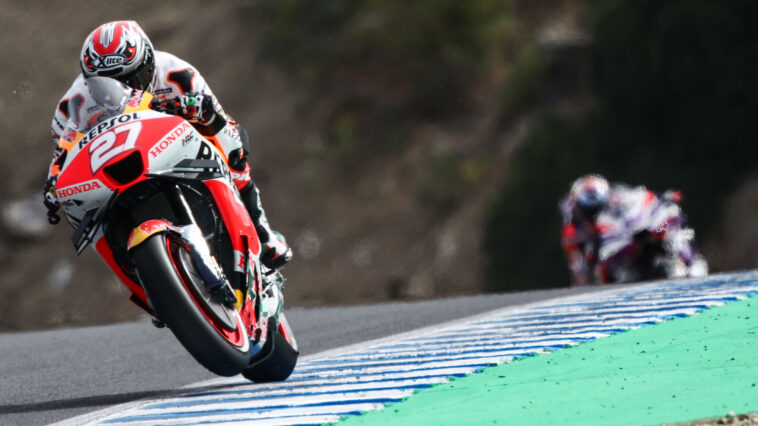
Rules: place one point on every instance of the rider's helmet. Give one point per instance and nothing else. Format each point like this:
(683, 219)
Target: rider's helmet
(120, 50)
(589, 194)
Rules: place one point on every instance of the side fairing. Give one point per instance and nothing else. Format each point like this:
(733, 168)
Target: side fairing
(179, 142)
(80, 197)
(158, 140)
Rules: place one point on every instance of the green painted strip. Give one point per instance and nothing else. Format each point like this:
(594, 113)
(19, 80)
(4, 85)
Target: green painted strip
(685, 369)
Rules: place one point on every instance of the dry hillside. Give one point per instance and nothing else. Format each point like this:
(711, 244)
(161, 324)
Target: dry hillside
(358, 237)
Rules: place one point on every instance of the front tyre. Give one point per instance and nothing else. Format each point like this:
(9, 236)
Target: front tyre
(280, 362)
(212, 333)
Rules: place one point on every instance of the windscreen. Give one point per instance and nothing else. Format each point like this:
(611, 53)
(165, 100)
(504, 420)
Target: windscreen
(98, 99)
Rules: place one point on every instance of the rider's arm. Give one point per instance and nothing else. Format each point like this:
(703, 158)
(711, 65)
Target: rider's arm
(175, 78)
(572, 248)
(57, 128)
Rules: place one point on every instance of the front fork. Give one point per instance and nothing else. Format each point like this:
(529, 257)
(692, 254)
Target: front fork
(271, 301)
(190, 233)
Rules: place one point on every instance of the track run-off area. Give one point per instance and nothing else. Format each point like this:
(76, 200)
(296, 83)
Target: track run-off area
(607, 351)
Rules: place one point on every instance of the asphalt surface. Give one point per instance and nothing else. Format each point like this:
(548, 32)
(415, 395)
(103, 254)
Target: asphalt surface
(53, 375)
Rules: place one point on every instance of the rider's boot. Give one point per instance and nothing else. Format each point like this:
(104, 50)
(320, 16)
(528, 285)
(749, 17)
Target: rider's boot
(276, 252)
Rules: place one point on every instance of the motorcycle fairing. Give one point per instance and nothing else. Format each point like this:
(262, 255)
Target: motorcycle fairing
(86, 174)
(130, 175)
(166, 145)
(105, 252)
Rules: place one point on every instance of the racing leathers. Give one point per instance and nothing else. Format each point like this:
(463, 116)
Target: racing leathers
(581, 234)
(580, 243)
(178, 88)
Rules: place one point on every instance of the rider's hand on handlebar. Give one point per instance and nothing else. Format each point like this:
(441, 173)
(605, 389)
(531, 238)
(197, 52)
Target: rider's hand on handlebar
(193, 106)
(51, 202)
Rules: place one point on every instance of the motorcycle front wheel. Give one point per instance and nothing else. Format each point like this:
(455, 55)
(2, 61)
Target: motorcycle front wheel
(212, 333)
(280, 361)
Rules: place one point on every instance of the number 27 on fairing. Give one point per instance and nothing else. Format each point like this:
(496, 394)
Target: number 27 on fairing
(112, 143)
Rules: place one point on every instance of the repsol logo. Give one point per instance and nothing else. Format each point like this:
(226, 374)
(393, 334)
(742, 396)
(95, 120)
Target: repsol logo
(169, 139)
(105, 125)
(72, 190)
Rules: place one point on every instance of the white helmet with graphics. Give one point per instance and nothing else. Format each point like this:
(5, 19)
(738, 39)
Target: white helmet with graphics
(589, 195)
(120, 50)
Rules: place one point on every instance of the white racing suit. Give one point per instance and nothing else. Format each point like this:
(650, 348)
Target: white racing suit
(175, 77)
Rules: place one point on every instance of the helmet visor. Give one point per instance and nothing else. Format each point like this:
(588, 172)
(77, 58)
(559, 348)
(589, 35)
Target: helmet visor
(142, 77)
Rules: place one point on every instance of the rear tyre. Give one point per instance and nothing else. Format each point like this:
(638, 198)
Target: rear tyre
(212, 333)
(278, 365)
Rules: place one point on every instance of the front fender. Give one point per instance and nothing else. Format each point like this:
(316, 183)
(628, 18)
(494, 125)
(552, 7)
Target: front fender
(147, 229)
(191, 234)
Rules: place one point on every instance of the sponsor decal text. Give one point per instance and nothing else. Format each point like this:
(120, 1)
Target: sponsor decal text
(169, 139)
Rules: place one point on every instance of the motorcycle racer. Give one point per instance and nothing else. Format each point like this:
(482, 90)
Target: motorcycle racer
(122, 50)
(597, 214)
(579, 236)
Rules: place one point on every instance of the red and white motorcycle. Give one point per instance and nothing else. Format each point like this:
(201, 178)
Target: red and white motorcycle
(644, 237)
(157, 202)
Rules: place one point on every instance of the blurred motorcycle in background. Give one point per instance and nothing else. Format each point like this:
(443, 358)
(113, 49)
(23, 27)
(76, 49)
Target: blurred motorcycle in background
(650, 242)
(620, 234)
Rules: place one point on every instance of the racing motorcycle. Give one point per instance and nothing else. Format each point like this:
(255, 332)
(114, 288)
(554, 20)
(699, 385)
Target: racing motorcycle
(644, 238)
(157, 202)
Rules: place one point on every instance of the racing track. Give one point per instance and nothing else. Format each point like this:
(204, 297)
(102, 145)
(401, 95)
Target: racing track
(54, 375)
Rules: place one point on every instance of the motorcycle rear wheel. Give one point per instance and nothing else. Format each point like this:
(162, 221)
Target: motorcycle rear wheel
(176, 292)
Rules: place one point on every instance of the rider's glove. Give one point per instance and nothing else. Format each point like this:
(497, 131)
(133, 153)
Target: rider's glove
(51, 202)
(194, 107)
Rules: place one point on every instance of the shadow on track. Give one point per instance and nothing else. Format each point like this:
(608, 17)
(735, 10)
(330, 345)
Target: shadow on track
(101, 400)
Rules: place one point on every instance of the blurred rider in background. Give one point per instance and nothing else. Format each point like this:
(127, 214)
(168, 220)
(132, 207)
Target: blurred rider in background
(121, 50)
(580, 238)
(630, 209)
